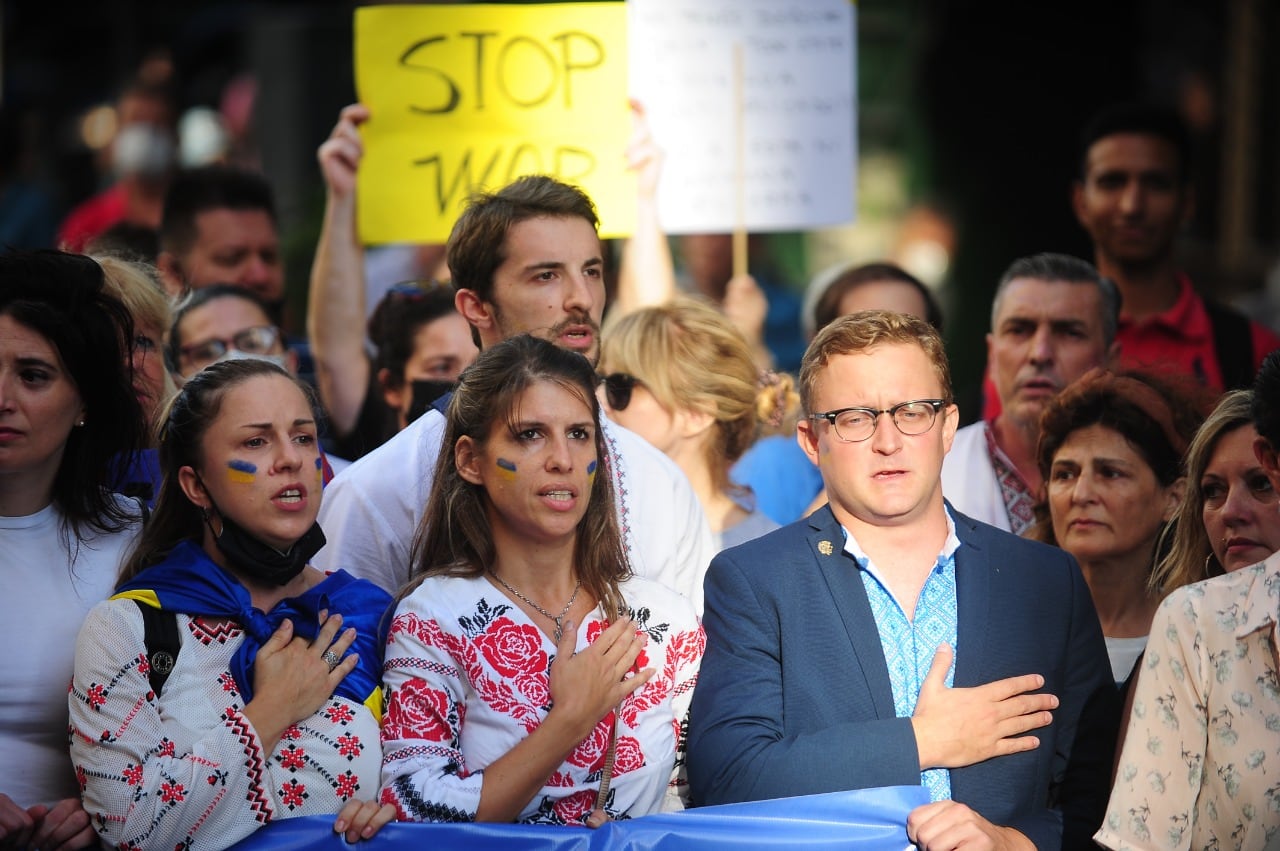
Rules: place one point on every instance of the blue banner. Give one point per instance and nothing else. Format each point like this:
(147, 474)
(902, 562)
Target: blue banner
(863, 820)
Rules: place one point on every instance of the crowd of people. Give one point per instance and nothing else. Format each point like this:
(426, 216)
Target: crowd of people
(491, 552)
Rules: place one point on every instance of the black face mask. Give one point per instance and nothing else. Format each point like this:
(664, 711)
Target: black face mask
(426, 391)
(263, 561)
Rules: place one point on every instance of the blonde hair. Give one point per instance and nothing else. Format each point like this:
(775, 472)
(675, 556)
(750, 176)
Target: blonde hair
(690, 356)
(137, 286)
(1190, 557)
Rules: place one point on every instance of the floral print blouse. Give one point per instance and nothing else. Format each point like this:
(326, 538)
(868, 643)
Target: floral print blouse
(467, 677)
(1201, 761)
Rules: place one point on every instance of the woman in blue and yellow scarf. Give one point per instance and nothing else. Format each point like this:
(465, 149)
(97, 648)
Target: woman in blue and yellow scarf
(266, 704)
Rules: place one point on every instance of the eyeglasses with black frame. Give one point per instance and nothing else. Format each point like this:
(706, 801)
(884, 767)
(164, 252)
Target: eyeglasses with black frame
(617, 389)
(259, 340)
(854, 425)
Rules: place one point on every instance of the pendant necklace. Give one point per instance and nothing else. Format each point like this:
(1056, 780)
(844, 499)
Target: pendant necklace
(558, 620)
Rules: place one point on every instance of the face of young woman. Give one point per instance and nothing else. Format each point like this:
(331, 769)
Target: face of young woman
(261, 461)
(39, 405)
(537, 465)
(1104, 498)
(1240, 512)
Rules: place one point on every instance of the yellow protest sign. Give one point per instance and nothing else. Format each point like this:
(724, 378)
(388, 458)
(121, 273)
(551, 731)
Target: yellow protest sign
(469, 97)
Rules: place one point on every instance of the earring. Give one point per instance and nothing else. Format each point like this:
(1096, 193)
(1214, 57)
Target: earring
(80, 423)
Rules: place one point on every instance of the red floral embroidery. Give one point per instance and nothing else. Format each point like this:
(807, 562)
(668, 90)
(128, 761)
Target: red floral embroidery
(166, 747)
(81, 777)
(642, 659)
(339, 713)
(511, 648)
(172, 793)
(144, 665)
(291, 733)
(349, 746)
(536, 687)
(96, 695)
(293, 794)
(346, 785)
(589, 753)
(629, 756)
(571, 809)
(560, 778)
(228, 683)
(293, 758)
(426, 631)
(133, 774)
(417, 711)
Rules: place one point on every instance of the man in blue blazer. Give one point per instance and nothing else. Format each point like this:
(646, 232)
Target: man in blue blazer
(831, 642)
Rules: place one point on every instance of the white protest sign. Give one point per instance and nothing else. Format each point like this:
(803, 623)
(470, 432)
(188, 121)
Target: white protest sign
(798, 110)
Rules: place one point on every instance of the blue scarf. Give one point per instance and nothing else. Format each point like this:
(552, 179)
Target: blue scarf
(188, 581)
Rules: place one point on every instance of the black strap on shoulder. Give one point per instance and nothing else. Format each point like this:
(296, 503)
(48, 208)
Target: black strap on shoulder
(160, 634)
(1233, 344)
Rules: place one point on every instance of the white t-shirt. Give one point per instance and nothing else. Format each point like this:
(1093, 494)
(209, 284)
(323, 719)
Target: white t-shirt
(46, 597)
(371, 510)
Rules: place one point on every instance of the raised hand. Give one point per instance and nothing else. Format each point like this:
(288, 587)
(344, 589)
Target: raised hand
(643, 154)
(340, 154)
(955, 727)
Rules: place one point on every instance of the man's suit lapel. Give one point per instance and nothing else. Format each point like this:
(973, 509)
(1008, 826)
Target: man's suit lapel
(975, 562)
(826, 542)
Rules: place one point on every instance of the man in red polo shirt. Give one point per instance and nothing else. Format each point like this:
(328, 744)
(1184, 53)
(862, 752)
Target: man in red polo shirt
(1133, 195)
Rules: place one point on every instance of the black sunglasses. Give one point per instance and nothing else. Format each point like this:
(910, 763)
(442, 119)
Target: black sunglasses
(617, 389)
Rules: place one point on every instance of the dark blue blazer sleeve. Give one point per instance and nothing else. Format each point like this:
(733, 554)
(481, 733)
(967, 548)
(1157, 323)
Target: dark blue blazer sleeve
(773, 715)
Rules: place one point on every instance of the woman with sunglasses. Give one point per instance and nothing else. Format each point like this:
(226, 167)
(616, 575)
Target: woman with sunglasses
(529, 675)
(682, 376)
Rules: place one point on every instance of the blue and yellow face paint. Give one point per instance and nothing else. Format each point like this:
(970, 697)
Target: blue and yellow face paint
(241, 472)
(506, 469)
(591, 474)
(319, 469)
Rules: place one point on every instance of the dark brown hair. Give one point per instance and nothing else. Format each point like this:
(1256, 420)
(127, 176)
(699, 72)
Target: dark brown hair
(454, 537)
(477, 244)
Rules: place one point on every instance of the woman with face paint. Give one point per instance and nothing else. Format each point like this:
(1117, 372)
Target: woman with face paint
(266, 705)
(530, 676)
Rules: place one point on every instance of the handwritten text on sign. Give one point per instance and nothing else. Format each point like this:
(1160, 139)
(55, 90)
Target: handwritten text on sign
(465, 98)
(798, 109)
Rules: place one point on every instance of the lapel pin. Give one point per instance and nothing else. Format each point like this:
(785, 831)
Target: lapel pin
(825, 547)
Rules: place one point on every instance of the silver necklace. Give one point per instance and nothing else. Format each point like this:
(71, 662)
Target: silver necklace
(557, 619)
